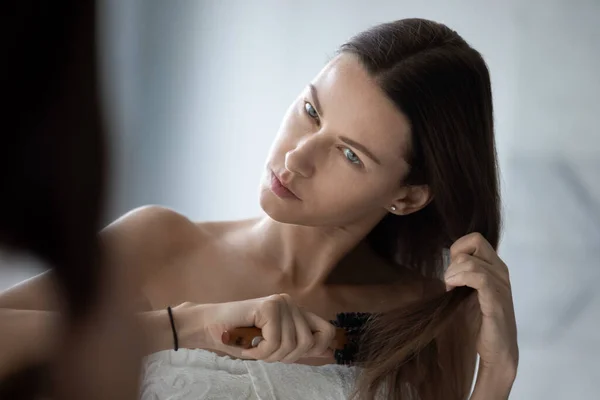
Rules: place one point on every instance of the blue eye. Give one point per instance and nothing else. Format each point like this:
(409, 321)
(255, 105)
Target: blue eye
(310, 110)
(351, 156)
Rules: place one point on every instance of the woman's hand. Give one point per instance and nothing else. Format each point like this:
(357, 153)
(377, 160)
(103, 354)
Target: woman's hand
(289, 332)
(474, 263)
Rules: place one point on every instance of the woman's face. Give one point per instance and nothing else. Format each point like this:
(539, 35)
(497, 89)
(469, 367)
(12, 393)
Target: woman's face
(340, 151)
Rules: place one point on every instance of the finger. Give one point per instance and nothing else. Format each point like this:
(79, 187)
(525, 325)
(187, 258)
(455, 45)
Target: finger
(304, 336)
(479, 280)
(323, 334)
(490, 295)
(468, 263)
(476, 245)
(288, 334)
(268, 318)
(465, 257)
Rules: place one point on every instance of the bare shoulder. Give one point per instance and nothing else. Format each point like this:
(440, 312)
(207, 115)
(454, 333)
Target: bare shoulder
(150, 219)
(157, 224)
(167, 226)
(148, 238)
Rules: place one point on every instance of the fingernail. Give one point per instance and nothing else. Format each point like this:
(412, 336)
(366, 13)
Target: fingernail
(225, 337)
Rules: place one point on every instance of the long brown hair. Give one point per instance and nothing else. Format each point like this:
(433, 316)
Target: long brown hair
(443, 86)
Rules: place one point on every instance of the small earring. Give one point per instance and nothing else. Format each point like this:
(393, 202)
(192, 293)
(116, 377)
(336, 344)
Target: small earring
(393, 208)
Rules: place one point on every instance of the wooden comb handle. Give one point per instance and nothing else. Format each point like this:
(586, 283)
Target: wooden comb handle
(243, 337)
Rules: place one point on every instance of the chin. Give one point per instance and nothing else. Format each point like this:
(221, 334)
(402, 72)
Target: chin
(275, 208)
(283, 211)
(292, 214)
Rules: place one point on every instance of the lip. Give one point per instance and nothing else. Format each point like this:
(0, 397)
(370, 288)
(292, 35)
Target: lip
(280, 189)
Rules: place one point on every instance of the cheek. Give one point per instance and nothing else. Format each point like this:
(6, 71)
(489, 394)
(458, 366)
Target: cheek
(345, 190)
(340, 205)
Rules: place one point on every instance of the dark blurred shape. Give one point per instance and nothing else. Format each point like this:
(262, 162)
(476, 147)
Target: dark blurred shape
(52, 161)
(52, 148)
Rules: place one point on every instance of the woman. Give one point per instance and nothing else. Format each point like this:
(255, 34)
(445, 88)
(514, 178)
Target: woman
(383, 162)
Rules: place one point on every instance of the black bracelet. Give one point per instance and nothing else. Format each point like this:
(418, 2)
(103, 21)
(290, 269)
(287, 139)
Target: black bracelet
(175, 340)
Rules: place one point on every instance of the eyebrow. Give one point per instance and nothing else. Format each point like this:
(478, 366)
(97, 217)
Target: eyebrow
(348, 141)
(360, 147)
(313, 92)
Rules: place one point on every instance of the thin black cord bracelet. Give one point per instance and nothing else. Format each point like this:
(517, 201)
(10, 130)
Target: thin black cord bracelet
(175, 339)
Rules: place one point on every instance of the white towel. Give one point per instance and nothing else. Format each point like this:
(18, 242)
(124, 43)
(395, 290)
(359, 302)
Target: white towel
(199, 374)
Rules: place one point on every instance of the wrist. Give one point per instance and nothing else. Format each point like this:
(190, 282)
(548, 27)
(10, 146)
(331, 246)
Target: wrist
(157, 331)
(503, 372)
(190, 327)
(494, 381)
(189, 322)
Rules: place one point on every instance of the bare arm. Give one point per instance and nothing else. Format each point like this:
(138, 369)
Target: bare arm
(492, 383)
(26, 337)
(30, 336)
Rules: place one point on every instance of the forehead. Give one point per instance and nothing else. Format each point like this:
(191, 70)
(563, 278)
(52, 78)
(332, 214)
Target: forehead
(354, 105)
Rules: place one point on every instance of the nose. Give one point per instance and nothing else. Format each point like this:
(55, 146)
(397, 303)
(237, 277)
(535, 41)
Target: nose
(301, 159)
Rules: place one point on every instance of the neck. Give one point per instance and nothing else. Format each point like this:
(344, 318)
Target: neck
(306, 255)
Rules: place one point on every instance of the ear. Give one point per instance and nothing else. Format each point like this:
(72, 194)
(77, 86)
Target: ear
(411, 199)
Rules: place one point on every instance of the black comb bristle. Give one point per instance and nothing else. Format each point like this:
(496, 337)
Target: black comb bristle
(353, 323)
